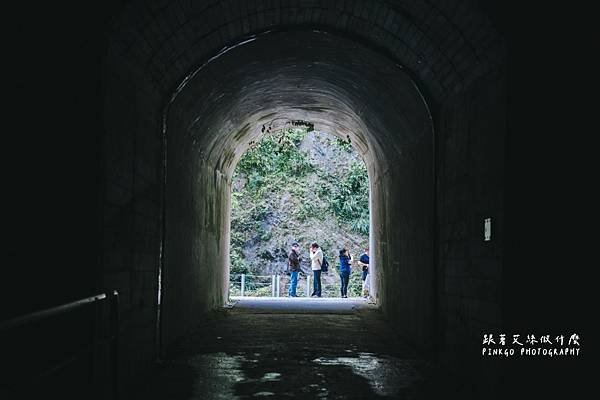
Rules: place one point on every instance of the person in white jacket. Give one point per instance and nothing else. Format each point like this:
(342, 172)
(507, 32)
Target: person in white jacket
(316, 259)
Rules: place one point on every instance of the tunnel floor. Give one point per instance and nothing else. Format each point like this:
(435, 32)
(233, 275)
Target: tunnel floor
(298, 349)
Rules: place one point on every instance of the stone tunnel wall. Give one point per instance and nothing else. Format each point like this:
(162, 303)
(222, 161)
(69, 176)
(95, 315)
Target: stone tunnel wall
(471, 140)
(402, 239)
(196, 236)
(132, 220)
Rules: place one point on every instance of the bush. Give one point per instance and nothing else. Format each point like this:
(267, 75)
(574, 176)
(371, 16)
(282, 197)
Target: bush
(350, 198)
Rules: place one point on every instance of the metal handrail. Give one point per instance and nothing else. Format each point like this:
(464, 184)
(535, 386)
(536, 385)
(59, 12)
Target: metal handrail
(256, 276)
(36, 316)
(275, 284)
(64, 308)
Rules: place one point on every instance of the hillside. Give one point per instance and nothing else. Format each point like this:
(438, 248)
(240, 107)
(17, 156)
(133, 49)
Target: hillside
(297, 186)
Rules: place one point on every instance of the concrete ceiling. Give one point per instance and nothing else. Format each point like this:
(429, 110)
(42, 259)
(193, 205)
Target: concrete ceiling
(261, 85)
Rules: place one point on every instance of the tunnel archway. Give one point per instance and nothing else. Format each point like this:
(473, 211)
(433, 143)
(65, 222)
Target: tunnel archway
(157, 52)
(337, 85)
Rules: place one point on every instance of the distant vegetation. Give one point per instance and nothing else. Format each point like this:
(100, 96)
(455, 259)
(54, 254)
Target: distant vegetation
(300, 186)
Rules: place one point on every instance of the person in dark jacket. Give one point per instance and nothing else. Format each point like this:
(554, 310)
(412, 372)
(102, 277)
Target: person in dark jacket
(364, 263)
(345, 268)
(294, 265)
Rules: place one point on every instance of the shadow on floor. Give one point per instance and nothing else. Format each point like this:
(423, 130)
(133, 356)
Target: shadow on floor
(278, 350)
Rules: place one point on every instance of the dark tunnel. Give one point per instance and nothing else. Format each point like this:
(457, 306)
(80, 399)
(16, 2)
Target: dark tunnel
(134, 115)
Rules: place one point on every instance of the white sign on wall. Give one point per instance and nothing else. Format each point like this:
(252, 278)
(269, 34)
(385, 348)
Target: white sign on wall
(487, 229)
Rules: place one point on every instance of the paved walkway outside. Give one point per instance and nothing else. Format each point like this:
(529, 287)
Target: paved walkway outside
(301, 348)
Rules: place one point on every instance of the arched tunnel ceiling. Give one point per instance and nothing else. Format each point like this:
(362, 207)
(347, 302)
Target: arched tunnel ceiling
(338, 85)
(445, 45)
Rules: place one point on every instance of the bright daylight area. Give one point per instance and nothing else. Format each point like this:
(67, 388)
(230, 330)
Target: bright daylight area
(300, 186)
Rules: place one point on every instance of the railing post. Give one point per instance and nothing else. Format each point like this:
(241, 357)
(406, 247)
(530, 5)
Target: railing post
(114, 312)
(243, 289)
(278, 283)
(96, 333)
(272, 285)
(307, 285)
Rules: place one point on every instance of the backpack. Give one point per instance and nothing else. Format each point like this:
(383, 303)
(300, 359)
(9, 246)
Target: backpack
(324, 265)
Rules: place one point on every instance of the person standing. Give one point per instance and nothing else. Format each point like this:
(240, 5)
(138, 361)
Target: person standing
(294, 264)
(316, 259)
(364, 263)
(345, 269)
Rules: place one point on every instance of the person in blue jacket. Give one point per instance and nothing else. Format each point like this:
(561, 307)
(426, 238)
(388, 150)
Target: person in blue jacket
(345, 268)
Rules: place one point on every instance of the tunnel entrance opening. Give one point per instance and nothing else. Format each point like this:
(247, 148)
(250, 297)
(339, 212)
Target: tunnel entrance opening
(298, 185)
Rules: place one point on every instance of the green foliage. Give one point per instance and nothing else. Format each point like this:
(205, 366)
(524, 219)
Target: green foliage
(238, 265)
(266, 254)
(277, 155)
(259, 211)
(350, 198)
(265, 235)
(344, 145)
(307, 208)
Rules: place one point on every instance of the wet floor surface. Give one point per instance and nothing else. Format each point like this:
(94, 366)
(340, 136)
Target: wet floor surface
(296, 349)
